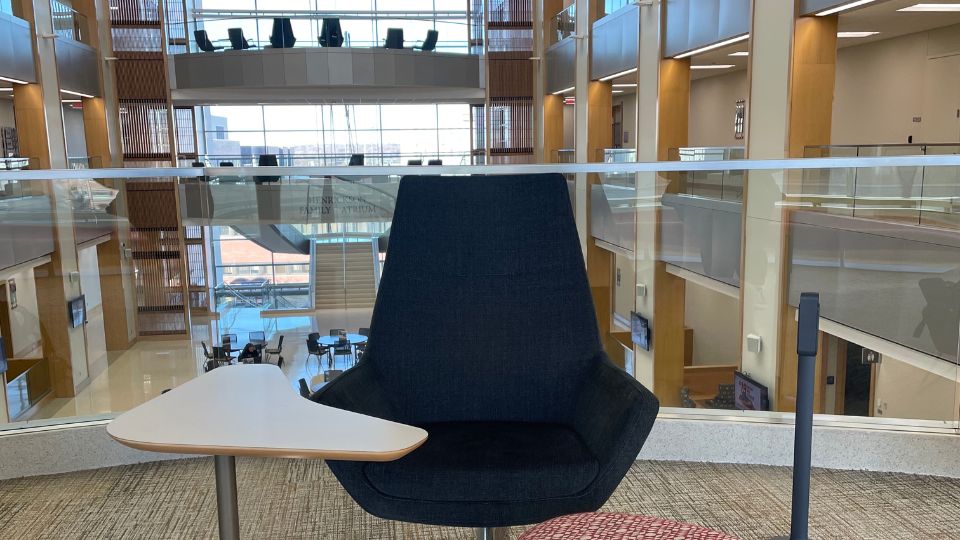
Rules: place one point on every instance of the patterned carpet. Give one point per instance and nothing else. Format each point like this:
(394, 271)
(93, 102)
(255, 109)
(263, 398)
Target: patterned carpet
(282, 499)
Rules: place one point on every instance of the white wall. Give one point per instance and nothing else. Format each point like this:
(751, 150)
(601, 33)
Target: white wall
(905, 390)
(629, 102)
(715, 320)
(96, 338)
(6, 112)
(569, 126)
(713, 104)
(73, 130)
(882, 86)
(24, 319)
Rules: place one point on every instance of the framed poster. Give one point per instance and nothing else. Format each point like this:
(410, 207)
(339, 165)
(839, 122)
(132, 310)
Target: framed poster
(12, 293)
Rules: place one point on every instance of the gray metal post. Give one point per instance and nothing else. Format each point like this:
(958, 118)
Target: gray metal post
(491, 533)
(228, 518)
(808, 333)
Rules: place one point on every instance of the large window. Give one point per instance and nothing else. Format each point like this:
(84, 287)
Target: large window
(318, 135)
(247, 275)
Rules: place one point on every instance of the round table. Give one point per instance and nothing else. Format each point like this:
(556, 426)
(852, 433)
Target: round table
(609, 526)
(353, 339)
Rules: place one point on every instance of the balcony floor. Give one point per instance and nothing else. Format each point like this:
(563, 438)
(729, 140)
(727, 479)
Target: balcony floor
(301, 499)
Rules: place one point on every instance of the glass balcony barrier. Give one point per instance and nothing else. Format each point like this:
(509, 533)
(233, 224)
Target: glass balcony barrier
(164, 266)
(718, 185)
(611, 6)
(69, 23)
(332, 160)
(261, 29)
(565, 23)
(6, 6)
(914, 195)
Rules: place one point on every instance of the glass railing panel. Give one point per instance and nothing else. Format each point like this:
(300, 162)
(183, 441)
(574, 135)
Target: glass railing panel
(293, 252)
(564, 23)
(69, 23)
(358, 29)
(6, 6)
(611, 6)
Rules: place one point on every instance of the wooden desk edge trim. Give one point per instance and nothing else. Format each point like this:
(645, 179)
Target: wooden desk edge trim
(246, 451)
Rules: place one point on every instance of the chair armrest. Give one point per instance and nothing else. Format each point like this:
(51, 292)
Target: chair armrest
(358, 390)
(614, 412)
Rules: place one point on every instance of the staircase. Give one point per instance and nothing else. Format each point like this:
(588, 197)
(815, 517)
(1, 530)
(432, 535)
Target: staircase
(345, 275)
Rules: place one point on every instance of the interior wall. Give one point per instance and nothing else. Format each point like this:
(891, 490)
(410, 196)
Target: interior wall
(904, 390)
(73, 131)
(6, 112)
(715, 321)
(713, 103)
(624, 290)
(25, 319)
(882, 87)
(629, 102)
(569, 127)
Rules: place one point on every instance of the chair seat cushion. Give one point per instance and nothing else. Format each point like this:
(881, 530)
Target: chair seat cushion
(489, 461)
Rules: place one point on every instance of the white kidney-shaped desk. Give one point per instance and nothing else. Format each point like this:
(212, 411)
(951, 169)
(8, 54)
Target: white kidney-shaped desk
(251, 410)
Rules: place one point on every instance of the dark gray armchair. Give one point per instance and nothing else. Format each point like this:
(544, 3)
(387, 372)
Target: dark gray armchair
(527, 418)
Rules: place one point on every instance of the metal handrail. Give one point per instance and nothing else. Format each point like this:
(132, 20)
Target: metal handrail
(460, 170)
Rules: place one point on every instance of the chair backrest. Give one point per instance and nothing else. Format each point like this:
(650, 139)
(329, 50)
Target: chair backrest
(267, 160)
(229, 340)
(237, 41)
(364, 332)
(330, 33)
(220, 353)
(313, 336)
(430, 43)
(313, 347)
(280, 343)
(435, 162)
(356, 160)
(203, 41)
(257, 336)
(282, 36)
(335, 332)
(206, 351)
(414, 162)
(478, 263)
(304, 389)
(394, 38)
(226, 164)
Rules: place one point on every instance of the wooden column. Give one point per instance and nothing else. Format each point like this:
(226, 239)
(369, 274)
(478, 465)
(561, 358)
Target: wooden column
(812, 77)
(812, 83)
(96, 132)
(600, 262)
(31, 124)
(669, 305)
(552, 127)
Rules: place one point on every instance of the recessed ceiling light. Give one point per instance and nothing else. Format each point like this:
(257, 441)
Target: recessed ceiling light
(6, 89)
(714, 66)
(12, 80)
(618, 91)
(730, 41)
(932, 7)
(564, 91)
(72, 93)
(856, 34)
(618, 75)
(844, 7)
(625, 85)
(740, 53)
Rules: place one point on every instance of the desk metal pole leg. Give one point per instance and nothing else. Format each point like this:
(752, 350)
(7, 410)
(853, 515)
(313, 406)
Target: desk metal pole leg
(227, 515)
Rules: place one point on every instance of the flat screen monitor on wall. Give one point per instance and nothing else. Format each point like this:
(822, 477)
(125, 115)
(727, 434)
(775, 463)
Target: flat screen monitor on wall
(640, 330)
(77, 311)
(748, 394)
